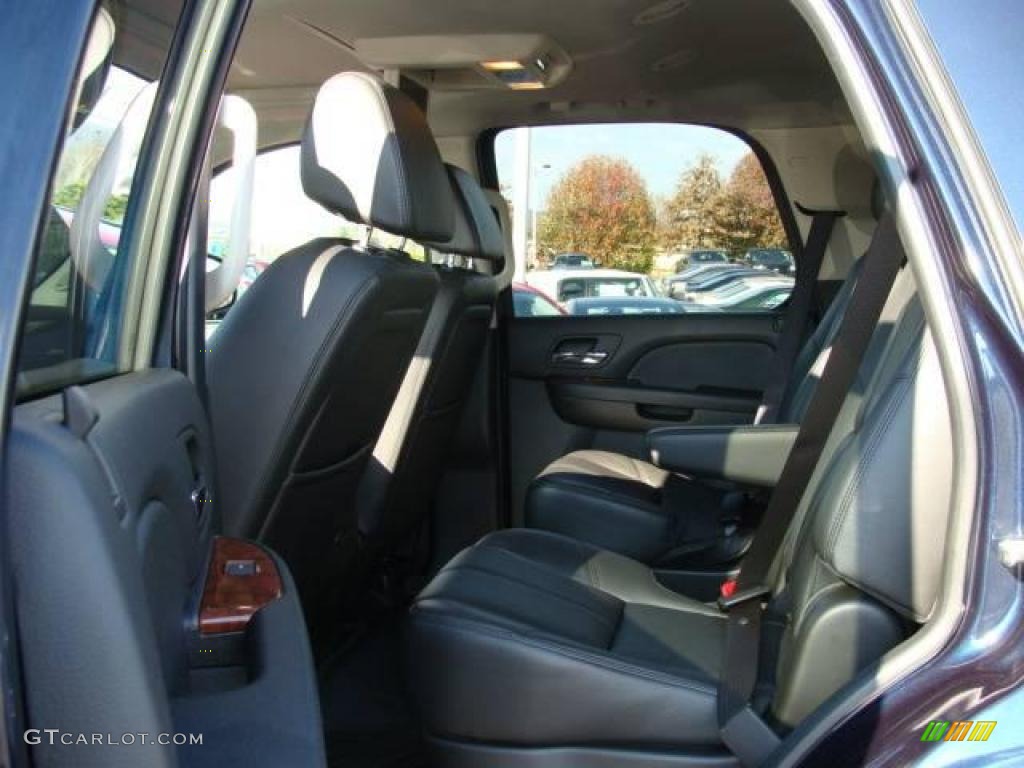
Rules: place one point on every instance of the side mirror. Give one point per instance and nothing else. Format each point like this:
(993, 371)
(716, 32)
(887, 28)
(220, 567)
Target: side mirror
(219, 312)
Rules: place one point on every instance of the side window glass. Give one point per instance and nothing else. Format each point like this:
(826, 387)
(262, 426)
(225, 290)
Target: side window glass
(642, 219)
(75, 319)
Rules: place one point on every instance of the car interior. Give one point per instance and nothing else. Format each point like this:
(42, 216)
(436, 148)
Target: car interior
(354, 509)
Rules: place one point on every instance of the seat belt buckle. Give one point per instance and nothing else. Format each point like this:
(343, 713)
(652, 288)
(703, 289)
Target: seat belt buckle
(730, 595)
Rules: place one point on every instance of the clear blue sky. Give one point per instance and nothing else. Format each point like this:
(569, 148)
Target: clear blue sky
(659, 152)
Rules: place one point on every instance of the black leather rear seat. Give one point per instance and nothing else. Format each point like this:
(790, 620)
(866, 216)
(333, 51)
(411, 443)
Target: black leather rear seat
(534, 649)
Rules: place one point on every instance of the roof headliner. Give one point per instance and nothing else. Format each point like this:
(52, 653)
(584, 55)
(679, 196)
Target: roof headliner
(746, 64)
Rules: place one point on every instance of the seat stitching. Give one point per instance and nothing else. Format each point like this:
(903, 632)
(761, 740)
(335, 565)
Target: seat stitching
(697, 607)
(589, 489)
(594, 569)
(535, 587)
(267, 490)
(612, 664)
(874, 438)
(866, 463)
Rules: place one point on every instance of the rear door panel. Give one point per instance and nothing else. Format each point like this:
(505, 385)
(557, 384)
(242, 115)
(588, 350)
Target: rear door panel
(112, 503)
(649, 371)
(105, 529)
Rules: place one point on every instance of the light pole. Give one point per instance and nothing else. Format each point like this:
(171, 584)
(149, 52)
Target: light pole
(535, 241)
(520, 201)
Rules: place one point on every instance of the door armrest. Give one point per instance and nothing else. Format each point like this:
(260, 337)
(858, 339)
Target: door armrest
(747, 455)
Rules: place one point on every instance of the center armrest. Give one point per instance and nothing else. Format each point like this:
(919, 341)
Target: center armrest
(745, 454)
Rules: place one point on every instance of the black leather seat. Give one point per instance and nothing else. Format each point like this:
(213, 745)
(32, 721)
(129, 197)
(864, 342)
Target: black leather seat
(534, 649)
(635, 508)
(304, 369)
(399, 484)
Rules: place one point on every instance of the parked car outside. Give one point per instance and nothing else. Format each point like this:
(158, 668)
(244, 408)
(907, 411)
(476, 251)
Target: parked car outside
(624, 305)
(774, 259)
(769, 299)
(572, 261)
(714, 280)
(698, 257)
(674, 284)
(567, 284)
(531, 302)
(734, 293)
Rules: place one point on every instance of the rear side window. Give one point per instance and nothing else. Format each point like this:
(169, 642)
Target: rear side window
(641, 219)
(75, 319)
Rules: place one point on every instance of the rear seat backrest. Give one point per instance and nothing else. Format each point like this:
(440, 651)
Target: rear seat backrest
(862, 569)
(397, 488)
(305, 366)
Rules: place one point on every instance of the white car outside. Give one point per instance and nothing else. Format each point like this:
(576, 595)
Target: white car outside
(564, 285)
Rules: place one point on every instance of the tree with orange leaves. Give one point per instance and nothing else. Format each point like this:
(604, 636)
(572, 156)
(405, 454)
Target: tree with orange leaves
(600, 207)
(745, 214)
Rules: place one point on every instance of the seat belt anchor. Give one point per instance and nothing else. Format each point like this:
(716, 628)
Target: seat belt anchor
(730, 596)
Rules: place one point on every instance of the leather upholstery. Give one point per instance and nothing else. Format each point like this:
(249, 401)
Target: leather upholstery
(303, 370)
(533, 638)
(871, 529)
(477, 232)
(622, 504)
(748, 455)
(587, 495)
(368, 154)
(530, 640)
(398, 486)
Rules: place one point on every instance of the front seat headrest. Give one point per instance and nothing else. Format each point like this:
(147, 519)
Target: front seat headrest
(368, 155)
(477, 232)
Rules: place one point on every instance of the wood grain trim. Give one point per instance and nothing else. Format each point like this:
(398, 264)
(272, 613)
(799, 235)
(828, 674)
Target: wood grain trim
(242, 579)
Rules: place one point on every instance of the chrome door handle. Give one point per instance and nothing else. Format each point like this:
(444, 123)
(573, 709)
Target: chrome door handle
(580, 358)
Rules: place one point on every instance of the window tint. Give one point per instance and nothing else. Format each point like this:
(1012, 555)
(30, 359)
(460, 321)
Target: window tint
(646, 212)
(75, 319)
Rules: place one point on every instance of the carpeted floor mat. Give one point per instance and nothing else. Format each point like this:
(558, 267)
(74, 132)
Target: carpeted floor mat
(369, 721)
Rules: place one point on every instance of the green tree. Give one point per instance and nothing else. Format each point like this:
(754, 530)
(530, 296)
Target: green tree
(600, 207)
(735, 215)
(688, 218)
(745, 215)
(115, 208)
(69, 195)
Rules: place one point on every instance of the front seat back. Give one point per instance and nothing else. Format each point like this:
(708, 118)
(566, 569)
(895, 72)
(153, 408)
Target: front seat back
(304, 369)
(399, 482)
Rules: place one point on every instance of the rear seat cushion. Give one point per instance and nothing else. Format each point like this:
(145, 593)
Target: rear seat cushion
(533, 638)
(623, 504)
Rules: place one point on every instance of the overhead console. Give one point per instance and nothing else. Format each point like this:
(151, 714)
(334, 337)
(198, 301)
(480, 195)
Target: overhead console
(469, 62)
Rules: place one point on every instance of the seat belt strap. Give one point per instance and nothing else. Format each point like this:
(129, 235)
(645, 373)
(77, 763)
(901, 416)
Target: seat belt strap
(798, 309)
(742, 730)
